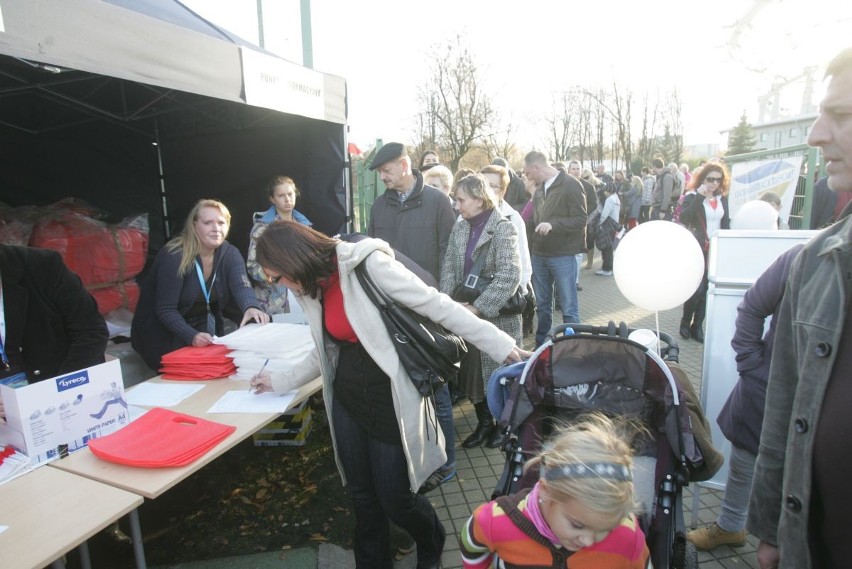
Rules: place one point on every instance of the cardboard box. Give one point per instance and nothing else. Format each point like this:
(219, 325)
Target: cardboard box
(55, 416)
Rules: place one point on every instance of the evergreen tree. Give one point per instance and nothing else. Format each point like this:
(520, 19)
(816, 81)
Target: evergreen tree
(741, 139)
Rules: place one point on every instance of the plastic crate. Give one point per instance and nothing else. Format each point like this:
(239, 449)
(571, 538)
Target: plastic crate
(284, 439)
(290, 429)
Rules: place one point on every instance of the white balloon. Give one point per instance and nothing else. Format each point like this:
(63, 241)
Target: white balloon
(756, 214)
(658, 265)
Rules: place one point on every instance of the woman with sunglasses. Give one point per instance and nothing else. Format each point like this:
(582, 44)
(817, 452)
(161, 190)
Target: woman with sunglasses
(704, 212)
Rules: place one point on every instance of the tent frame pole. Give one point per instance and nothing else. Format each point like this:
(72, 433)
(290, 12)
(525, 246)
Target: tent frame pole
(164, 206)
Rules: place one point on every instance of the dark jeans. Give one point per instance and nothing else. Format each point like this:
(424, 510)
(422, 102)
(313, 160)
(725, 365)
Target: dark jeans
(606, 258)
(696, 305)
(444, 411)
(644, 213)
(377, 481)
(655, 214)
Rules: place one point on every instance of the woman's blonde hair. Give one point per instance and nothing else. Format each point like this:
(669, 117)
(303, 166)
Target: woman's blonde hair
(187, 240)
(476, 187)
(590, 461)
(590, 177)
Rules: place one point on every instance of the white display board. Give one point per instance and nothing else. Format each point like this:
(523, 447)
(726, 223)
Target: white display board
(737, 259)
(63, 413)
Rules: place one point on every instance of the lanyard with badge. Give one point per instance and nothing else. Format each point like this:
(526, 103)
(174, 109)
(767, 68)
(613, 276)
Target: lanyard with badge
(211, 322)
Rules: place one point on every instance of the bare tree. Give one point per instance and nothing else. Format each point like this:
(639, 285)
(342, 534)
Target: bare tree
(453, 95)
(598, 124)
(673, 120)
(646, 146)
(499, 142)
(618, 105)
(562, 124)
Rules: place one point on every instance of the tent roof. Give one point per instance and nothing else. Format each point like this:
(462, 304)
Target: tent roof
(158, 44)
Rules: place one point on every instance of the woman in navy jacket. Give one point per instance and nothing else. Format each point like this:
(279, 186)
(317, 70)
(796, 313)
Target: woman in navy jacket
(191, 282)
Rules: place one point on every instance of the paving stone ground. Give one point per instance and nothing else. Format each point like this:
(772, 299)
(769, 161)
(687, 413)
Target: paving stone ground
(478, 469)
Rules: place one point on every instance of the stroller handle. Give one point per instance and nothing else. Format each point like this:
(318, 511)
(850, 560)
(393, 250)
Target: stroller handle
(670, 352)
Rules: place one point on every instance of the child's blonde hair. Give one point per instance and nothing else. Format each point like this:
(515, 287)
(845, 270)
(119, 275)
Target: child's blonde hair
(590, 461)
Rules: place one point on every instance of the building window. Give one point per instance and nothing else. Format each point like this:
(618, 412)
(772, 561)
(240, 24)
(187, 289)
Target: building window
(794, 132)
(807, 130)
(764, 136)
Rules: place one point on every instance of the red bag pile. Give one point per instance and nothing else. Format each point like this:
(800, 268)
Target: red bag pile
(161, 438)
(105, 257)
(198, 363)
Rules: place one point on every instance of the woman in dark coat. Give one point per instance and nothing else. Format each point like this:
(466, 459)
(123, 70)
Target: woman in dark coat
(704, 213)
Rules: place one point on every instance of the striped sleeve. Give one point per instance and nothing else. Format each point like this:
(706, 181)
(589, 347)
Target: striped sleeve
(475, 550)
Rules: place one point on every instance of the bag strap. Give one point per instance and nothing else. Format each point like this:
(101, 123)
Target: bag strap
(479, 262)
(509, 505)
(475, 270)
(377, 295)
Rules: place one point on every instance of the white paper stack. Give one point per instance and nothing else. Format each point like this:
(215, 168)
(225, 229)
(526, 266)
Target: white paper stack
(12, 463)
(284, 345)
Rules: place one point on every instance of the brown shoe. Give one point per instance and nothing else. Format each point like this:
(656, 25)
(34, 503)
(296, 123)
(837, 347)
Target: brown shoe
(712, 536)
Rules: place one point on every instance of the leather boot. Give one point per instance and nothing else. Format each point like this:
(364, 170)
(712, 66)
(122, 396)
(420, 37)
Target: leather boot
(697, 332)
(495, 438)
(684, 329)
(590, 258)
(483, 429)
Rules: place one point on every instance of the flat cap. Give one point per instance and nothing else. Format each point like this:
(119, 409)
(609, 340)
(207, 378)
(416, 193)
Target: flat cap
(388, 152)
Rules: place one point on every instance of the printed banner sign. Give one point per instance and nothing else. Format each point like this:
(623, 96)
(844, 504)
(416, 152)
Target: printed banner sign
(61, 414)
(753, 178)
(277, 84)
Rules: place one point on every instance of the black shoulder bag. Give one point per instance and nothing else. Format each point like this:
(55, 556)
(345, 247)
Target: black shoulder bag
(429, 353)
(474, 284)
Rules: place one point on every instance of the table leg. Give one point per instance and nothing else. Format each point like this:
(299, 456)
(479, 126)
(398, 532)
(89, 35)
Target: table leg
(136, 536)
(696, 493)
(85, 559)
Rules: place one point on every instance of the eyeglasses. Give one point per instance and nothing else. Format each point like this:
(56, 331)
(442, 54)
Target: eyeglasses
(713, 179)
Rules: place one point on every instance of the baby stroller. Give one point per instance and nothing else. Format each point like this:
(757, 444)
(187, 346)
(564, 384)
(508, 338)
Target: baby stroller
(583, 369)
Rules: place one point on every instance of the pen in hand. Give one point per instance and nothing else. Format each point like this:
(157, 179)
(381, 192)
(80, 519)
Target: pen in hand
(263, 367)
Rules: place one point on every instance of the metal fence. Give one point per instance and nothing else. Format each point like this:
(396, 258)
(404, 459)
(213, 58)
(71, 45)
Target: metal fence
(367, 188)
(800, 213)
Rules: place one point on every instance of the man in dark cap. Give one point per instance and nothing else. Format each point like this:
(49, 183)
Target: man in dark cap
(416, 220)
(516, 195)
(412, 217)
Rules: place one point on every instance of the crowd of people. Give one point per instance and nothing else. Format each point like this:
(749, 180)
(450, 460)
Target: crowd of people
(460, 248)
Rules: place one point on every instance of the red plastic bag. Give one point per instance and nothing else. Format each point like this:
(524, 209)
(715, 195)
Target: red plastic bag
(119, 295)
(98, 253)
(161, 438)
(197, 363)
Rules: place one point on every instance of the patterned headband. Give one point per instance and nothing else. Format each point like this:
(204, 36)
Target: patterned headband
(609, 470)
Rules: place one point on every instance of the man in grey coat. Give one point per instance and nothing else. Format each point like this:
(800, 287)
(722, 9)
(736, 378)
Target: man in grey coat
(801, 498)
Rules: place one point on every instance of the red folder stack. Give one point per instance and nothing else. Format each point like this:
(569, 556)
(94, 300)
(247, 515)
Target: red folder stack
(192, 363)
(159, 439)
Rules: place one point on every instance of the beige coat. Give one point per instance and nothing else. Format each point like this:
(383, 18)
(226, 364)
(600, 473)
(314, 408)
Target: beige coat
(424, 456)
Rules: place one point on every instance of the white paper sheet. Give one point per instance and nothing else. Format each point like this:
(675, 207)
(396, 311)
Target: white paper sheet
(149, 394)
(244, 401)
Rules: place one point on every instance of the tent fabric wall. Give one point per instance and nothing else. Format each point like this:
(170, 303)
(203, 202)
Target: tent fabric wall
(131, 81)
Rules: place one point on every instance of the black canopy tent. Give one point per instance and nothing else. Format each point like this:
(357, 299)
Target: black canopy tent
(140, 106)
